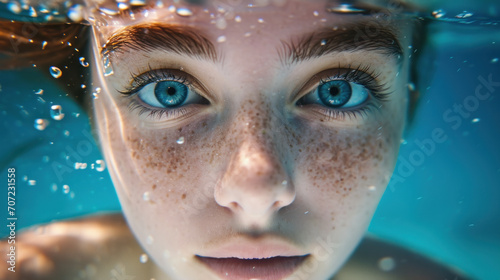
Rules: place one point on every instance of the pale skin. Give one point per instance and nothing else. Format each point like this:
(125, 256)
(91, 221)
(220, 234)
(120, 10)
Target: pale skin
(253, 156)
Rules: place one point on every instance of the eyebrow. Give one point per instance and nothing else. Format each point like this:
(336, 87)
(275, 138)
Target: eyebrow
(181, 40)
(363, 36)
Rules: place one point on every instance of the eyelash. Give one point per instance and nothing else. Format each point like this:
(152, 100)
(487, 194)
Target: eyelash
(362, 75)
(154, 76)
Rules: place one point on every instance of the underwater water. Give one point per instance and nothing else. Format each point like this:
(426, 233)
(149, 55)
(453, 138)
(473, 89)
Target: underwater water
(443, 200)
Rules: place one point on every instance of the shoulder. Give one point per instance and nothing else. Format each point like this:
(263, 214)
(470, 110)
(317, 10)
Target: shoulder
(375, 259)
(93, 247)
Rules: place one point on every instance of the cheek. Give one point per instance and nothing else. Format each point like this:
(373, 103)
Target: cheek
(344, 159)
(168, 162)
(342, 173)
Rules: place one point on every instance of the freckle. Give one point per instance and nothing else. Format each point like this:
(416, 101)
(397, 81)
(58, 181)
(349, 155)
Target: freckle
(168, 195)
(154, 187)
(183, 196)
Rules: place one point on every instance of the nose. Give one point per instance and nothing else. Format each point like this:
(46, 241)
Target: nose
(255, 184)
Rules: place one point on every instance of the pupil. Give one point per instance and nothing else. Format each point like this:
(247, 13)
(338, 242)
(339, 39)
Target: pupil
(171, 91)
(334, 91)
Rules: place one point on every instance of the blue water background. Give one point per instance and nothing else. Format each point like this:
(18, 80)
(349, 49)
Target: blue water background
(447, 208)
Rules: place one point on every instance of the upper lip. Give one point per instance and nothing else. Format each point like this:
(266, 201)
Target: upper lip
(253, 248)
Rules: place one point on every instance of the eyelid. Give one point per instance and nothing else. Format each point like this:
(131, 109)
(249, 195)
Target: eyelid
(137, 82)
(360, 75)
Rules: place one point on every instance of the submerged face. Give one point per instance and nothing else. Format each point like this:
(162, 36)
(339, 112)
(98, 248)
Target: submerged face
(251, 133)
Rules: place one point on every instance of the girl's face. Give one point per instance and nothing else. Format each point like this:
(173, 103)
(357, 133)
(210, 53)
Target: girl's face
(250, 142)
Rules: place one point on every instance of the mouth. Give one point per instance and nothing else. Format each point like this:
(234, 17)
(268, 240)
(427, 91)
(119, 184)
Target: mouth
(271, 268)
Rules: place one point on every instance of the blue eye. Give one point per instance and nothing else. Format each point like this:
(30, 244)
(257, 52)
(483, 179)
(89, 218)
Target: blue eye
(171, 93)
(337, 94)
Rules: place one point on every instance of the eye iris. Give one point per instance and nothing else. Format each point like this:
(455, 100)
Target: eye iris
(170, 93)
(335, 93)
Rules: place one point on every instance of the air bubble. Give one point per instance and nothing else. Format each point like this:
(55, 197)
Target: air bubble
(315, 13)
(184, 12)
(143, 258)
(75, 13)
(260, 20)
(146, 196)
(41, 124)
(221, 39)
(80, 165)
(386, 264)
(53, 188)
(122, 6)
(494, 60)
(14, 7)
(32, 182)
(438, 13)
(108, 69)
(464, 14)
(65, 189)
(137, 2)
(101, 165)
(39, 92)
(284, 182)
(323, 42)
(83, 62)
(150, 240)
(345, 9)
(372, 188)
(237, 18)
(108, 11)
(180, 141)
(55, 72)
(44, 44)
(43, 9)
(221, 23)
(411, 86)
(56, 112)
(32, 12)
(476, 120)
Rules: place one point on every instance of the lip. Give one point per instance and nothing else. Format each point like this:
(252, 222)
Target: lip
(244, 259)
(274, 268)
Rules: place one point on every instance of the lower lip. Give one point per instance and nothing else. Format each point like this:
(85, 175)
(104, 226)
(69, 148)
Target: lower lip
(275, 268)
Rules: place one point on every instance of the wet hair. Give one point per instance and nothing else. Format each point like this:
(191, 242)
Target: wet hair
(419, 43)
(42, 45)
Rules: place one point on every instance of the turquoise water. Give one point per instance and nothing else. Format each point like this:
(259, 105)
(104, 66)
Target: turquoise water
(444, 202)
